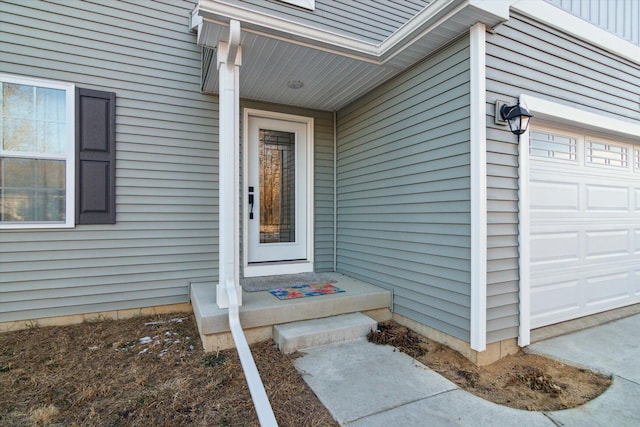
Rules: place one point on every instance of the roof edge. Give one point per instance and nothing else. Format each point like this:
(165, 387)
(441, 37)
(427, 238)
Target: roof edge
(429, 18)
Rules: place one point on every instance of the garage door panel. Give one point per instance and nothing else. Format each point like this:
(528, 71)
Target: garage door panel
(607, 198)
(609, 243)
(554, 248)
(606, 289)
(551, 196)
(584, 229)
(556, 298)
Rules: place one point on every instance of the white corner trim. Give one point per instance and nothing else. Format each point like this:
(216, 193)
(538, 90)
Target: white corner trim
(579, 28)
(478, 143)
(524, 242)
(553, 112)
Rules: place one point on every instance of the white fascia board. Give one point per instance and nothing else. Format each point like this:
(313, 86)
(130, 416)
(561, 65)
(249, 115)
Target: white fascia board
(478, 147)
(579, 28)
(434, 14)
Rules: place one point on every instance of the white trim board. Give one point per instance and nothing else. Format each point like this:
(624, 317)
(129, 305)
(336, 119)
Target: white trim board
(579, 28)
(478, 147)
(560, 114)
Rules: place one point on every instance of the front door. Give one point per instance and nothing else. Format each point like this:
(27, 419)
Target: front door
(277, 189)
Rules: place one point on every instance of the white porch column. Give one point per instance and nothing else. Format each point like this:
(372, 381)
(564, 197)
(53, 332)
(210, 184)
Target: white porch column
(229, 58)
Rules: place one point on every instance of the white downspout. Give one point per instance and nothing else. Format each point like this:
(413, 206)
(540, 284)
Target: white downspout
(228, 291)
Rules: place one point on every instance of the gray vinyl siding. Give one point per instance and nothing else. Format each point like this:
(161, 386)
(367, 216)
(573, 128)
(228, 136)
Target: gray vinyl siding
(528, 57)
(404, 190)
(166, 149)
(323, 174)
(620, 17)
(369, 20)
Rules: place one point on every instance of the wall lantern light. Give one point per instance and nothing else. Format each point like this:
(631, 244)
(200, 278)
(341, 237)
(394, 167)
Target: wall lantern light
(516, 115)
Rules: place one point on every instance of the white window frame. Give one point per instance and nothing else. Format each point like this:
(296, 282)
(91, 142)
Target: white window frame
(68, 155)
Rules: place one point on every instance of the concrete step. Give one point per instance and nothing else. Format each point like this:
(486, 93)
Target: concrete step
(295, 336)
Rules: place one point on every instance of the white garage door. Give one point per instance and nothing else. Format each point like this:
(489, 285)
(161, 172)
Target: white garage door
(585, 225)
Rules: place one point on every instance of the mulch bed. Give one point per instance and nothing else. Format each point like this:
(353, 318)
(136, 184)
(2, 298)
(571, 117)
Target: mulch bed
(521, 381)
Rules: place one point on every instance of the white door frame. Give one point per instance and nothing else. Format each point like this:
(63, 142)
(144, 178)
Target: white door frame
(285, 267)
(558, 114)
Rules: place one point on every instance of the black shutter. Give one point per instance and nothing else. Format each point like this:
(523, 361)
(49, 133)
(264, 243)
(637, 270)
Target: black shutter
(95, 157)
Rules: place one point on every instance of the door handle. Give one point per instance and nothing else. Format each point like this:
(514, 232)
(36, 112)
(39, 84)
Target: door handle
(251, 202)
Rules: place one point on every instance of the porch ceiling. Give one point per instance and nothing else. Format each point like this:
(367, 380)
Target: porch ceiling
(335, 69)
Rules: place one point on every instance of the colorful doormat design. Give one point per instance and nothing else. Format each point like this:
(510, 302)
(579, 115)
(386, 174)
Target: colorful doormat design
(305, 291)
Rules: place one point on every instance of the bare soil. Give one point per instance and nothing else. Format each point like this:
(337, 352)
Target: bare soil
(147, 371)
(153, 371)
(522, 381)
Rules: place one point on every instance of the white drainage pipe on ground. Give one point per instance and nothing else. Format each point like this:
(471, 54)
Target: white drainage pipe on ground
(256, 388)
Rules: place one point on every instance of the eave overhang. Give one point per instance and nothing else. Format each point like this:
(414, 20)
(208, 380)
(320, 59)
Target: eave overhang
(336, 69)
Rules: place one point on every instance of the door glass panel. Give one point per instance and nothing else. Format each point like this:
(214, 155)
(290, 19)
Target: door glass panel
(277, 186)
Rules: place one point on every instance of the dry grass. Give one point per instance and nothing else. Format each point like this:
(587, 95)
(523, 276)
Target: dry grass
(141, 372)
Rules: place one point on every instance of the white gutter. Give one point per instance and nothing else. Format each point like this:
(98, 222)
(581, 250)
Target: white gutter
(228, 291)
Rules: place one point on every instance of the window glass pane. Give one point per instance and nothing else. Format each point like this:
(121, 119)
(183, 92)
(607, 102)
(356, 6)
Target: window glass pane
(50, 116)
(32, 189)
(19, 173)
(277, 186)
(18, 205)
(18, 135)
(51, 137)
(17, 100)
(34, 119)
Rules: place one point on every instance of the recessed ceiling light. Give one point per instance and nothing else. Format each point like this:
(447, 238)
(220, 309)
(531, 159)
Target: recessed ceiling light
(295, 84)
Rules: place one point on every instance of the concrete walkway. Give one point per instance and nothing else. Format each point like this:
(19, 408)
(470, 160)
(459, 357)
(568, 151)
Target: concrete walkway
(363, 384)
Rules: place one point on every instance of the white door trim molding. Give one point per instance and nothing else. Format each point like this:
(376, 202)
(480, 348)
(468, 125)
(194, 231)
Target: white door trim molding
(273, 268)
(478, 147)
(559, 114)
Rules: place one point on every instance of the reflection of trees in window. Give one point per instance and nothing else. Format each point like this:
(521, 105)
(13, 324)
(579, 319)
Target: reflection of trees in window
(277, 186)
(32, 147)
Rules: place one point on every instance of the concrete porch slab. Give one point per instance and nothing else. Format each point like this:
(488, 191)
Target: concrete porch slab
(261, 310)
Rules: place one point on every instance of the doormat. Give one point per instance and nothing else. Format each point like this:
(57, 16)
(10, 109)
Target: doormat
(302, 291)
(264, 283)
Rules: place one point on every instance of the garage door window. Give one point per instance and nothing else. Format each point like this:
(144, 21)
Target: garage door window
(542, 144)
(606, 154)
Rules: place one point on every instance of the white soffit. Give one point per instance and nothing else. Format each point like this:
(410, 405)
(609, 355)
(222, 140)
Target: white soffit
(336, 69)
